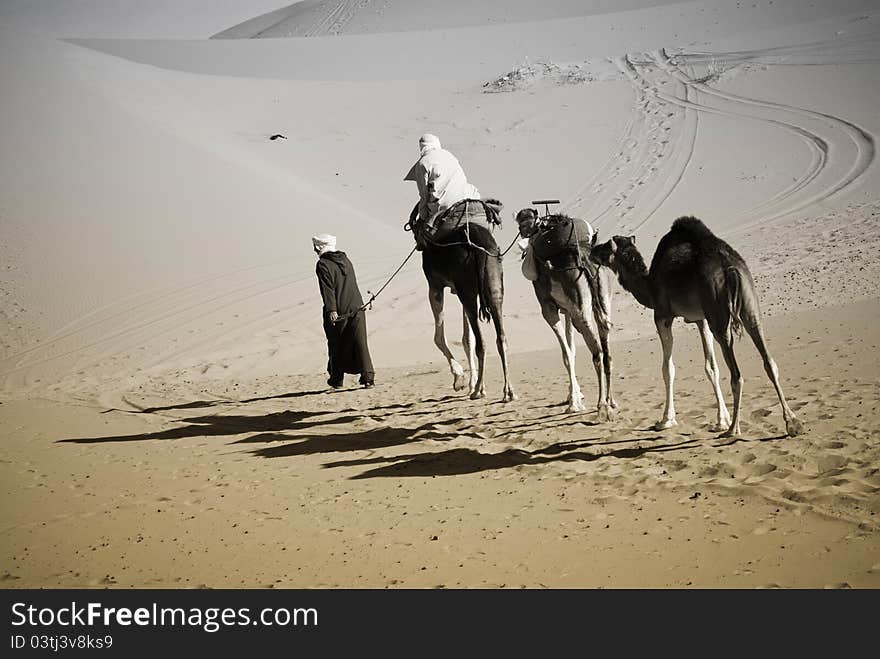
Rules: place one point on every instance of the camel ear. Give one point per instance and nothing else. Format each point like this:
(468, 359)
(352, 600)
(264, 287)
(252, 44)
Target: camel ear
(632, 239)
(595, 238)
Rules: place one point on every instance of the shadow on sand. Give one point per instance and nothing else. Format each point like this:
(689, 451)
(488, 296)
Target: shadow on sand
(223, 425)
(468, 461)
(273, 428)
(198, 404)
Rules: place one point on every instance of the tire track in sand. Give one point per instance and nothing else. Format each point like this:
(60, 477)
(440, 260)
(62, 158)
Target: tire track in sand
(335, 20)
(649, 160)
(648, 164)
(784, 203)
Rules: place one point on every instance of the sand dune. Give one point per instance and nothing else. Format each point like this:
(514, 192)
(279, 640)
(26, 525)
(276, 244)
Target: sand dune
(160, 346)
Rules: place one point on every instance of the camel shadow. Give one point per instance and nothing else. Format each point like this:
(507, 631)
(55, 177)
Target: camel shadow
(222, 425)
(196, 404)
(365, 440)
(292, 394)
(721, 442)
(407, 406)
(460, 461)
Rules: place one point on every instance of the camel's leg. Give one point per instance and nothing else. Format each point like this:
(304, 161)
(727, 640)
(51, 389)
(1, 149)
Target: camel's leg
(551, 314)
(435, 297)
(714, 375)
(495, 306)
(664, 330)
(569, 335)
(469, 304)
(603, 323)
(572, 345)
(725, 340)
(586, 325)
(606, 358)
(467, 340)
(792, 425)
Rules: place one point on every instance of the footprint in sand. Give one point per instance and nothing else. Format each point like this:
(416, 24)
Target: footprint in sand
(759, 470)
(829, 463)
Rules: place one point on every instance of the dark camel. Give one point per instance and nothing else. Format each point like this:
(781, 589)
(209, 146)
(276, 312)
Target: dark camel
(468, 262)
(579, 290)
(696, 276)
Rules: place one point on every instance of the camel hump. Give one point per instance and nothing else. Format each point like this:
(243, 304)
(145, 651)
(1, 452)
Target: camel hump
(692, 225)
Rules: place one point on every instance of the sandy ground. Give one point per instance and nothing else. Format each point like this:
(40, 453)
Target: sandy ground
(277, 483)
(164, 417)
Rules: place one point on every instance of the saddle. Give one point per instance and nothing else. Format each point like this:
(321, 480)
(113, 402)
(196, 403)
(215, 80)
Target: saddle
(452, 224)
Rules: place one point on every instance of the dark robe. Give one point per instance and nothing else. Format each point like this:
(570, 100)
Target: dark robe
(347, 337)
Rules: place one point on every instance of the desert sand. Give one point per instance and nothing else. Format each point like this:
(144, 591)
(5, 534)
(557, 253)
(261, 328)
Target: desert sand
(165, 419)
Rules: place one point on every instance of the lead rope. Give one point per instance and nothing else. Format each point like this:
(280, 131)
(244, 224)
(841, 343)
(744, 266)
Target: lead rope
(369, 303)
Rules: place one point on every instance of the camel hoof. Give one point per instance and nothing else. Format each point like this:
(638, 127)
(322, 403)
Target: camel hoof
(794, 427)
(575, 407)
(613, 404)
(477, 395)
(509, 397)
(730, 433)
(665, 424)
(460, 382)
(718, 427)
(606, 414)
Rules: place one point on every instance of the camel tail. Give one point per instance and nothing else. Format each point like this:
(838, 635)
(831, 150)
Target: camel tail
(734, 289)
(483, 293)
(483, 247)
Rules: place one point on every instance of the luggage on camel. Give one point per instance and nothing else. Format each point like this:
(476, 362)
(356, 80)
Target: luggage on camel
(559, 239)
(452, 224)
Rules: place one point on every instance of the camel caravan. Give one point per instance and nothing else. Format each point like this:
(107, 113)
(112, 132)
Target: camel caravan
(694, 275)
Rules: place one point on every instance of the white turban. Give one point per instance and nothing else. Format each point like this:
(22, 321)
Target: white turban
(428, 142)
(324, 242)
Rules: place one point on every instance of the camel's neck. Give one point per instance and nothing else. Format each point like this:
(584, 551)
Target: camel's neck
(633, 276)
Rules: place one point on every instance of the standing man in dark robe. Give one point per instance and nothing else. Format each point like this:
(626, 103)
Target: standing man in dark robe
(345, 322)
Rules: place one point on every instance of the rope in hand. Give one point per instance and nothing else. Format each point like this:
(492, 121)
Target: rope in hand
(369, 303)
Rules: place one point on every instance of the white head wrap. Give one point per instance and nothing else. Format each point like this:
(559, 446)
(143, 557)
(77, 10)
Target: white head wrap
(324, 243)
(427, 142)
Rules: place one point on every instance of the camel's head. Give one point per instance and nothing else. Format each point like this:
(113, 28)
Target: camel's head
(527, 219)
(606, 253)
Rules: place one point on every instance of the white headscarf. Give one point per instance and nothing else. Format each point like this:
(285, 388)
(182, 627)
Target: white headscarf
(324, 243)
(428, 142)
